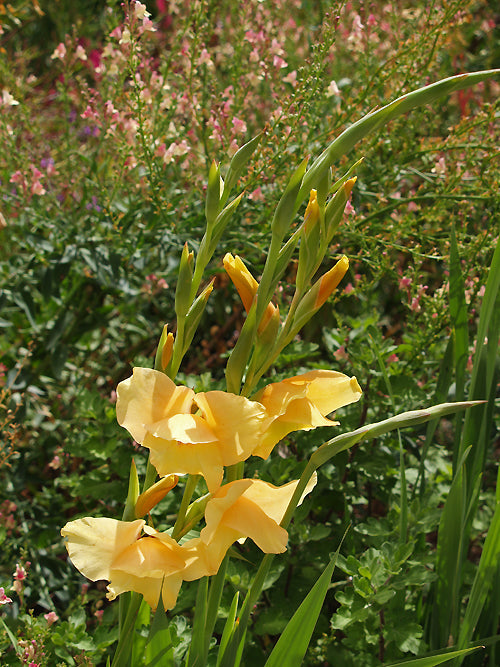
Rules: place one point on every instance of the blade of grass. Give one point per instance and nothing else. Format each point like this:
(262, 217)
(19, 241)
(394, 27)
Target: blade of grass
(450, 556)
(459, 324)
(485, 575)
(436, 659)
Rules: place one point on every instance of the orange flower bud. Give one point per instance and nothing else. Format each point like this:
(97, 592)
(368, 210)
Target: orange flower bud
(246, 286)
(329, 281)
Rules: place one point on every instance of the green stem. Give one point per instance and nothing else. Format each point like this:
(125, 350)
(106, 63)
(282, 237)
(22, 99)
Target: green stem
(189, 489)
(124, 649)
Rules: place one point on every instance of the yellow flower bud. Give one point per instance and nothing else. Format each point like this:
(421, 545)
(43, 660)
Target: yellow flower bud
(152, 496)
(311, 216)
(166, 353)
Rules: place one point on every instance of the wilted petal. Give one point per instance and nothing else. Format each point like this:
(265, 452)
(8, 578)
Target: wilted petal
(302, 403)
(93, 543)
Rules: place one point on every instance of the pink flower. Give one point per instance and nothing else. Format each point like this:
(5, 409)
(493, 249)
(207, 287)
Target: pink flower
(349, 209)
(55, 463)
(256, 195)
(59, 52)
(17, 177)
(80, 53)
(37, 188)
(404, 283)
(8, 100)
(291, 78)
(3, 598)
(204, 58)
(51, 617)
(341, 354)
(240, 127)
(279, 63)
(333, 89)
(20, 572)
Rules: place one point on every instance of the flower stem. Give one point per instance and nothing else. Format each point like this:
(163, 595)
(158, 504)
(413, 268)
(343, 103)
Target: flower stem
(189, 489)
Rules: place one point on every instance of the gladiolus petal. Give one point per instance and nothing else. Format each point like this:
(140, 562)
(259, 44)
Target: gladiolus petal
(302, 403)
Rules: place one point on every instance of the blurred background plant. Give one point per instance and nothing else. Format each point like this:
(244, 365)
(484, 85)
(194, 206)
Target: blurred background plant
(109, 122)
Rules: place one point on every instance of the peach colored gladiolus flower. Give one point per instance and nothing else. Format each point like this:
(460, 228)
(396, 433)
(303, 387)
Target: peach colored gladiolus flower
(302, 402)
(103, 548)
(246, 286)
(247, 508)
(187, 432)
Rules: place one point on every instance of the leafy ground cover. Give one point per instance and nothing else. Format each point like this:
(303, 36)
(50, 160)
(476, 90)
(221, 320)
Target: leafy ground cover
(109, 124)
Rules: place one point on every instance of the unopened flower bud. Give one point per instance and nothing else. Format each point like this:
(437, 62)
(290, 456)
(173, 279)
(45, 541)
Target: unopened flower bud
(319, 293)
(183, 290)
(152, 496)
(310, 241)
(246, 286)
(164, 351)
(215, 189)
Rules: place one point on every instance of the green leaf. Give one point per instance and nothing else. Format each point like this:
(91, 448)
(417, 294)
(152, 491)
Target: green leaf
(373, 121)
(197, 648)
(458, 314)
(485, 576)
(431, 660)
(292, 645)
(450, 557)
(159, 649)
(10, 635)
(228, 627)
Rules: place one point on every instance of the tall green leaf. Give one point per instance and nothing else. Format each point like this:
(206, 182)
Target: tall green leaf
(485, 576)
(197, 647)
(432, 660)
(373, 121)
(159, 650)
(292, 645)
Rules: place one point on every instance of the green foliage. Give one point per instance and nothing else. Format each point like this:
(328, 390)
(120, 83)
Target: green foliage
(87, 277)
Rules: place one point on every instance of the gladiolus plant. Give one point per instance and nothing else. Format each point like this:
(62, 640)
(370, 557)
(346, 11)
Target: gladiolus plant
(199, 441)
